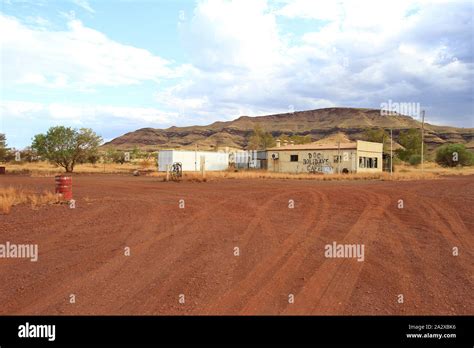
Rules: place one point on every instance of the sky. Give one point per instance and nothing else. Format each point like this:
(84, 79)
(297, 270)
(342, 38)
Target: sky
(117, 66)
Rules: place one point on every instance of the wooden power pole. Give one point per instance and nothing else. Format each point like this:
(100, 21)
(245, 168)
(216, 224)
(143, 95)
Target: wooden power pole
(422, 137)
(338, 157)
(391, 151)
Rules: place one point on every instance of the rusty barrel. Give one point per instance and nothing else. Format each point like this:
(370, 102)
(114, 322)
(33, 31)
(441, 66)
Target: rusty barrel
(2, 170)
(64, 186)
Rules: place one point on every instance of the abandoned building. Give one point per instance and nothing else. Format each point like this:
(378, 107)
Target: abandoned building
(354, 157)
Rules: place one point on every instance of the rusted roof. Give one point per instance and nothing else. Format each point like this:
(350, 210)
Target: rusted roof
(315, 146)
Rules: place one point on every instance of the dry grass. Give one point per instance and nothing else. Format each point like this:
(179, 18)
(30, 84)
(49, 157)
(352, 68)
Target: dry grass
(402, 173)
(45, 169)
(11, 196)
(221, 175)
(431, 167)
(147, 167)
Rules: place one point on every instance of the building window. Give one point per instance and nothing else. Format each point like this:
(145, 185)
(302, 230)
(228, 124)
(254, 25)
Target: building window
(368, 162)
(337, 158)
(293, 158)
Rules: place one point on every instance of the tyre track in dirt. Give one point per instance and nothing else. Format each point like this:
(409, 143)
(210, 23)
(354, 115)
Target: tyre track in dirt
(65, 239)
(177, 276)
(77, 279)
(334, 281)
(110, 278)
(279, 267)
(180, 276)
(263, 272)
(429, 251)
(112, 268)
(190, 251)
(202, 258)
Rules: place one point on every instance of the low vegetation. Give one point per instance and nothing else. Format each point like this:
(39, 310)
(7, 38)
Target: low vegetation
(11, 196)
(260, 139)
(262, 174)
(454, 155)
(45, 169)
(434, 168)
(42, 168)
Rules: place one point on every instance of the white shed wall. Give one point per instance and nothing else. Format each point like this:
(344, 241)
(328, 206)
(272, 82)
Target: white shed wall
(191, 160)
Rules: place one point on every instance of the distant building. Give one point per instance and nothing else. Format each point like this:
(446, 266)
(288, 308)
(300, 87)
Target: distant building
(355, 157)
(191, 160)
(249, 159)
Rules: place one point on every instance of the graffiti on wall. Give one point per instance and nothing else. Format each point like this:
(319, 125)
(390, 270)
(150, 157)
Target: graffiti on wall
(316, 163)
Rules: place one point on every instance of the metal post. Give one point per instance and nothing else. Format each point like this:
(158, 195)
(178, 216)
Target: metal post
(168, 169)
(422, 137)
(203, 167)
(338, 157)
(195, 158)
(391, 151)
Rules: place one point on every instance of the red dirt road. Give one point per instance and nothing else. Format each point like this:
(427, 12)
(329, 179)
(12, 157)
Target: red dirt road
(190, 251)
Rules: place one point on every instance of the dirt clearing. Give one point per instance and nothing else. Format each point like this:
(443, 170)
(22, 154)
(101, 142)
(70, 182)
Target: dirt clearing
(191, 251)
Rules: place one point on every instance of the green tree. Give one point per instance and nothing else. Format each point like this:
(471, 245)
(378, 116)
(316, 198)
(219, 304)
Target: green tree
(411, 141)
(92, 158)
(260, 140)
(296, 139)
(137, 153)
(114, 156)
(66, 146)
(376, 135)
(3, 148)
(414, 159)
(452, 155)
(29, 155)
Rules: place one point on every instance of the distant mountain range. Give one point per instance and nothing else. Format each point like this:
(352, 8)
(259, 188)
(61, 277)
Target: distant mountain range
(343, 124)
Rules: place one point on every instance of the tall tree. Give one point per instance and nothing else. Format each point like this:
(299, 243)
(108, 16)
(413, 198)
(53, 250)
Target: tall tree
(3, 147)
(297, 139)
(411, 141)
(260, 140)
(66, 146)
(378, 135)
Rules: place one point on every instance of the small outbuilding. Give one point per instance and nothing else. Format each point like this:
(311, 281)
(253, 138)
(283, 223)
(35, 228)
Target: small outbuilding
(354, 157)
(191, 160)
(250, 159)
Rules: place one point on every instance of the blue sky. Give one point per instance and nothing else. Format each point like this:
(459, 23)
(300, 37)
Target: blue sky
(117, 66)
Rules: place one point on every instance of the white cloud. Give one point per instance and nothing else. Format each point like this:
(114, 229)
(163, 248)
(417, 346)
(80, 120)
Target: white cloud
(234, 33)
(21, 120)
(243, 62)
(84, 4)
(37, 20)
(350, 13)
(85, 113)
(322, 10)
(16, 109)
(79, 58)
(360, 54)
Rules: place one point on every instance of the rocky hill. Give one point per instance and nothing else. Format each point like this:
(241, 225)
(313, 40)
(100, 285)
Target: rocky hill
(350, 123)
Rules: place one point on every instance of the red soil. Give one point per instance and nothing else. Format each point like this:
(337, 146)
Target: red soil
(190, 251)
